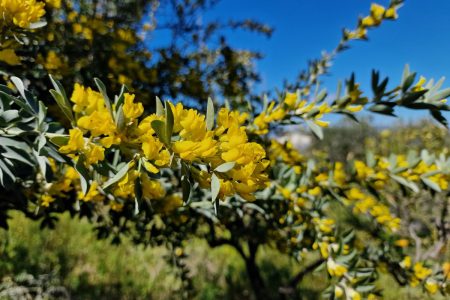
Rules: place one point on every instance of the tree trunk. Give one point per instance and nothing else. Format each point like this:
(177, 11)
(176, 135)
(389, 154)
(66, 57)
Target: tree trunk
(256, 280)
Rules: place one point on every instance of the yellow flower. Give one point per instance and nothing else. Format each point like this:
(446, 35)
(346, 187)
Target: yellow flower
(338, 292)
(132, 110)
(92, 195)
(125, 187)
(151, 189)
(86, 100)
(335, 269)
(21, 12)
(10, 57)
(227, 119)
(420, 271)
(194, 126)
(169, 204)
(354, 295)
(391, 13)
(153, 151)
(431, 286)
(46, 200)
(98, 123)
(178, 114)
(94, 154)
(406, 262)
(52, 62)
(290, 100)
(76, 142)
(190, 150)
(322, 123)
(446, 270)
(402, 243)
(53, 3)
(115, 206)
(316, 191)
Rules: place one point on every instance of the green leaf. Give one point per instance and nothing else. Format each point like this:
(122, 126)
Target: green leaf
(382, 109)
(41, 141)
(118, 100)
(160, 128)
(405, 74)
(84, 174)
(59, 140)
(23, 104)
(431, 184)
(186, 188)
(215, 187)
(37, 25)
(408, 82)
(439, 117)
(225, 167)
(138, 194)
(169, 123)
(443, 94)
(60, 89)
(365, 288)
(210, 115)
(411, 97)
(19, 86)
(370, 159)
(65, 108)
(8, 116)
(117, 177)
(42, 112)
(159, 107)
(11, 154)
(5, 171)
(120, 119)
(4, 141)
(101, 87)
(316, 129)
(409, 184)
(321, 96)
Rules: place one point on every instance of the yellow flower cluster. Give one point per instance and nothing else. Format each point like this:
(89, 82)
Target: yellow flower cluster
(227, 143)
(379, 174)
(192, 142)
(21, 13)
(363, 203)
(67, 180)
(378, 13)
(420, 274)
(291, 104)
(287, 154)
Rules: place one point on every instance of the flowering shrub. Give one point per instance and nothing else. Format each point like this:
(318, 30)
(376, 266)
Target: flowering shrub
(222, 175)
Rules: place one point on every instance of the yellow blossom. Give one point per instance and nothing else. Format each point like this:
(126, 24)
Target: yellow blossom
(10, 57)
(420, 271)
(76, 142)
(21, 12)
(46, 200)
(92, 195)
(132, 110)
(335, 269)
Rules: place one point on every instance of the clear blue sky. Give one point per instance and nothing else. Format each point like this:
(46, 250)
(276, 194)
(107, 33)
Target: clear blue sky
(303, 28)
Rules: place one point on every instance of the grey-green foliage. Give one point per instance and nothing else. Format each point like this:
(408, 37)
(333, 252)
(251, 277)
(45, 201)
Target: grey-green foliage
(24, 151)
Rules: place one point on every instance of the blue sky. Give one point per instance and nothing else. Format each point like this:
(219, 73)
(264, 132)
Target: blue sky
(420, 37)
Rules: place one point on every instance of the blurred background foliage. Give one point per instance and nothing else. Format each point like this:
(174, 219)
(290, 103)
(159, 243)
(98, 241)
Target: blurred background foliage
(115, 41)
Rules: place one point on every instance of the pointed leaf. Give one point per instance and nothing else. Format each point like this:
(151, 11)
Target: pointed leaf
(225, 167)
(159, 107)
(215, 187)
(210, 115)
(117, 177)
